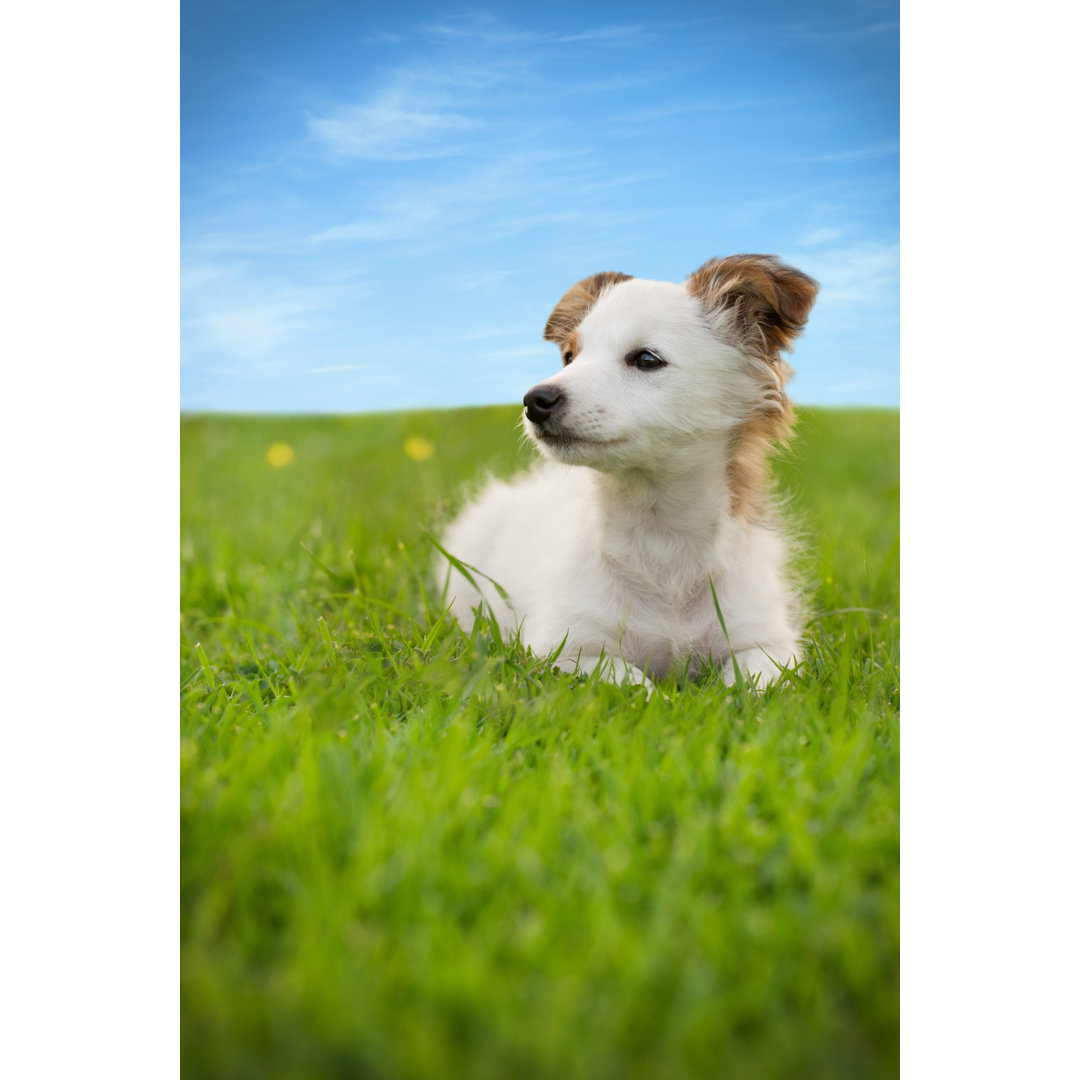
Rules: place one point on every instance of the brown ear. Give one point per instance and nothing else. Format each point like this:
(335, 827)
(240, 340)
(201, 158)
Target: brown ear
(769, 299)
(575, 304)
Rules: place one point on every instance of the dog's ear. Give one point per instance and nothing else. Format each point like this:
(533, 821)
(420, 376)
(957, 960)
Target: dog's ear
(576, 302)
(768, 300)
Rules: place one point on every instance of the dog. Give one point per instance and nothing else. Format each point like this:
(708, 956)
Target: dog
(647, 541)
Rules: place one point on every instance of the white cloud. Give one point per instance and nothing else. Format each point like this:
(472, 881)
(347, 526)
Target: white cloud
(399, 124)
(466, 86)
(888, 148)
(858, 302)
(396, 220)
(490, 30)
(482, 333)
(485, 281)
(228, 312)
(822, 235)
(680, 108)
(846, 35)
(250, 331)
(864, 275)
(513, 194)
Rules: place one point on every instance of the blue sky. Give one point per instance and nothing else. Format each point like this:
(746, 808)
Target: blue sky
(380, 205)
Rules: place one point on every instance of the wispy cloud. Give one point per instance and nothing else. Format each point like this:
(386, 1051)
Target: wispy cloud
(865, 275)
(822, 235)
(506, 197)
(845, 34)
(889, 148)
(477, 82)
(232, 313)
(397, 125)
(682, 108)
(433, 106)
(491, 30)
(484, 333)
(394, 220)
(483, 281)
(786, 198)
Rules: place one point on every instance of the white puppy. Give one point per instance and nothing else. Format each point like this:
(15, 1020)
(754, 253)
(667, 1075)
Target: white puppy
(652, 512)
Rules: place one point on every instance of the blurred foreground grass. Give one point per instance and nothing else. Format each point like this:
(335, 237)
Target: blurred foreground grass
(411, 850)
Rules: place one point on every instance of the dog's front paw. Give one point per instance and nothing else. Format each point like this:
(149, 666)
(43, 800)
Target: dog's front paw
(757, 666)
(612, 669)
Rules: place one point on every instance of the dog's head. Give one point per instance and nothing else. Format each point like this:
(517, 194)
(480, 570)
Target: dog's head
(656, 372)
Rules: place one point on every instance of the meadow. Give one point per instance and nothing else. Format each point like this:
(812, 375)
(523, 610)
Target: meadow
(409, 848)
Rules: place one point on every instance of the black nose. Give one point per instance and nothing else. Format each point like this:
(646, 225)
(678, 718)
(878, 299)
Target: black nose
(541, 401)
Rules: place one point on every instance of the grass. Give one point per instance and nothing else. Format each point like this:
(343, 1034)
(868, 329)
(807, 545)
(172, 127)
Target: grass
(409, 849)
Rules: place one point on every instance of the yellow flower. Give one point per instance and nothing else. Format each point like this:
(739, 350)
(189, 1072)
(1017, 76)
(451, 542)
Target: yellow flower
(418, 448)
(280, 454)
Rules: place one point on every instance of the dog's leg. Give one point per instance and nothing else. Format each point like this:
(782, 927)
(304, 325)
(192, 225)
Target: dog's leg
(612, 669)
(759, 666)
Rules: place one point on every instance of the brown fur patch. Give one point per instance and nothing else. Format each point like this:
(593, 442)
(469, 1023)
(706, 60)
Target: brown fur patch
(770, 300)
(769, 303)
(575, 305)
(748, 460)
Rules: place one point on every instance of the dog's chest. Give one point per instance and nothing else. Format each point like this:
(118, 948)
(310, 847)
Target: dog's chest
(658, 634)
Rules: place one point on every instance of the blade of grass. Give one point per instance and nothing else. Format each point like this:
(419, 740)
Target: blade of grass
(328, 641)
(204, 664)
(339, 580)
(465, 570)
(739, 680)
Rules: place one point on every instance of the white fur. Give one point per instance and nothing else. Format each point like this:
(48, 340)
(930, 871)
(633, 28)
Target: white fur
(613, 542)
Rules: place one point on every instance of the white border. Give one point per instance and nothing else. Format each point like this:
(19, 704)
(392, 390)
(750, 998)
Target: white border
(989, 291)
(90, 547)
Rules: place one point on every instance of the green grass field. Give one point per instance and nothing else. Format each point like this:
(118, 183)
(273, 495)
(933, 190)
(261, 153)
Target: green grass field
(409, 849)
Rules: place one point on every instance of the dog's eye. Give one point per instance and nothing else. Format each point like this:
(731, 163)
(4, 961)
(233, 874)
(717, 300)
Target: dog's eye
(567, 357)
(644, 360)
